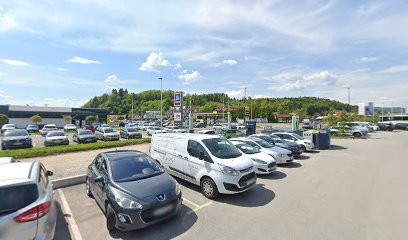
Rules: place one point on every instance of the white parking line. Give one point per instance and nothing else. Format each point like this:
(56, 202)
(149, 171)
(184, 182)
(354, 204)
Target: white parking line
(72, 225)
(200, 207)
(190, 202)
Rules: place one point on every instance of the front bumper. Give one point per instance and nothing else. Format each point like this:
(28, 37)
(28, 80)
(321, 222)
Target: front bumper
(111, 138)
(244, 183)
(138, 219)
(16, 144)
(55, 143)
(264, 168)
(88, 140)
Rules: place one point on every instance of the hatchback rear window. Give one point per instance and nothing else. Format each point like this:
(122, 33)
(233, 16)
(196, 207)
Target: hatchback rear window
(17, 197)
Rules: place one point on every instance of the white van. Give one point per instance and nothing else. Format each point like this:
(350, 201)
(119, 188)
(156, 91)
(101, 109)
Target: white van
(210, 161)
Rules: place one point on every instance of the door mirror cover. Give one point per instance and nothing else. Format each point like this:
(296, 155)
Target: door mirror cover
(99, 179)
(201, 155)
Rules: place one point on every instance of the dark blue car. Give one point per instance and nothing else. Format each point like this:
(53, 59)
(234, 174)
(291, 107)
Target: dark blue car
(32, 128)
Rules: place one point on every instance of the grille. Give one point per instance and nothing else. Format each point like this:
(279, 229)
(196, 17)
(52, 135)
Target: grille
(272, 165)
(244, 179)
(148, 216)
(246, 169)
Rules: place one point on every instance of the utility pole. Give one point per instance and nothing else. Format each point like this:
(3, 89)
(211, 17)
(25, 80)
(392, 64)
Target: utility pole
(223, 107)
(245, 107)
(349, 106)
(132, 107)
(251, 109)
(161, 103)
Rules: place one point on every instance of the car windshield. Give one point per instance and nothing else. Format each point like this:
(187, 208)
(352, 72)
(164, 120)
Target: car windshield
(262, 143)
(134, 168)
(15, 133)
(85, 132)
(247, 149)
(298, 136)
(109, 130)
(8, 126)
(55, 134)
(32, 126)
(157, 128)
(131, 130)
(50, 126)
(266, 138)
(221, 148)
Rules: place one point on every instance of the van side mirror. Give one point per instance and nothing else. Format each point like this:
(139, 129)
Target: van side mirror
(99, 179)
(201, 155)
(49, 173)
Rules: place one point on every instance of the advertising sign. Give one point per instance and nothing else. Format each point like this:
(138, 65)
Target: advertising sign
(370, 108)
(178, 98)
(177, 116)
(361, 109)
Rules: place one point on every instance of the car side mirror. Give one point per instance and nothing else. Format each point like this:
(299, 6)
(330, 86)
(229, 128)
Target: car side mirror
(99, 179)
(49, 173)
(201, 155)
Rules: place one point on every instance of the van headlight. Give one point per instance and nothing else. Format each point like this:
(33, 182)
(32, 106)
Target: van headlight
(178, 189)
(258, 161)
(228, 170)
(127, 203)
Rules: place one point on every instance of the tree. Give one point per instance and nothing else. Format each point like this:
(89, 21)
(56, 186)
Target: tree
(36, 119)
(68, 118)
(90, 118)
(3, 119)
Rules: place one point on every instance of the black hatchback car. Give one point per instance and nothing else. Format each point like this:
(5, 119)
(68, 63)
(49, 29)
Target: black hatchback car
(132, 189)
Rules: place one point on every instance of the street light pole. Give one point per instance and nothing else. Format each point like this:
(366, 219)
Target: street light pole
(349, 106)
(132, 108)
(161, 103)
(245, 107)
(223, 106)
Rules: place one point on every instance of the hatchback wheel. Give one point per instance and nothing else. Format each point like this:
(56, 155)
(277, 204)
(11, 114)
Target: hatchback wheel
(357, 135)
(303, 148)
(88, 189)
(209, 188)
(110, 219)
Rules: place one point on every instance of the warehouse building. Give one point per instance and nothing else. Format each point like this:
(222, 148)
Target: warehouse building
(20, 115)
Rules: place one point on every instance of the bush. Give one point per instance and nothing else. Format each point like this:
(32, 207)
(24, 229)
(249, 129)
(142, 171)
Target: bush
(36, 119)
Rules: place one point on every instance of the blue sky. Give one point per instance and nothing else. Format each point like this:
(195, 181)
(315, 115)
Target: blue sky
(62, 53)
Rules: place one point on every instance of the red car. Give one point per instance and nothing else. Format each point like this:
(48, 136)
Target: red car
(89, 127)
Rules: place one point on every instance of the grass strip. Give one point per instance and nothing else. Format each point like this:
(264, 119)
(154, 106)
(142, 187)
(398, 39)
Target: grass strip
(47, 151)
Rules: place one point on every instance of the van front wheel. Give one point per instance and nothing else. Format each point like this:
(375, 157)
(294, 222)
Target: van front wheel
(209, 188)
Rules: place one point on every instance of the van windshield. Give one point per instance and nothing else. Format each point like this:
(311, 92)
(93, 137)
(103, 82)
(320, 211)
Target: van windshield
(221, 148)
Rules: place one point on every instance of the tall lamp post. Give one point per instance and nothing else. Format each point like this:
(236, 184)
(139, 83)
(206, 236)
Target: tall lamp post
(161, 103)
(245, 106)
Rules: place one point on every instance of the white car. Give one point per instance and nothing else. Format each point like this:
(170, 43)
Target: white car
(263, 162)
(107, 134)
(47, 128)
(219, 126)
(175, 129)
(211, 162)
(154, 130)
(8, 127)
(143, 127)
(280, 155)
(69, 127)
(306, 144)
(55, 138)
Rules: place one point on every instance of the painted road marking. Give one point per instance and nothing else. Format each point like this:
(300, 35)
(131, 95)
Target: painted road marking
(190, 202)
(72, 225)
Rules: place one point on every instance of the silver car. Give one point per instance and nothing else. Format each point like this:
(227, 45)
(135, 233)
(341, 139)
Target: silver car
(106, 134)
(27, 208)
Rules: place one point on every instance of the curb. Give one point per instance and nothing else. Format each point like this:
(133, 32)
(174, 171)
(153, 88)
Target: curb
(68, 181)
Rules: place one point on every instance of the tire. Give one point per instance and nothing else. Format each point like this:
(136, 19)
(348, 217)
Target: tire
(2, 147)
(357, 135)
(303, 148)
(88, 189)
(209, 188)
(110, 219)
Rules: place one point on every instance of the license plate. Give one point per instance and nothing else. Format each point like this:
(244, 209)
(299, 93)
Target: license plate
(162, 210)
(17, 143)
(250, 182)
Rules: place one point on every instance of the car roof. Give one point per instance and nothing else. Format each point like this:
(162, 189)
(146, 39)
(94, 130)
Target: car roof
(15, 172)
(114, 155)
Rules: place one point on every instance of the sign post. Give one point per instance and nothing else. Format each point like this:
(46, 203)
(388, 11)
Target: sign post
(178, 104)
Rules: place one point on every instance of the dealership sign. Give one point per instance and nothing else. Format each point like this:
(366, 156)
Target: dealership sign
(177, 116)
(178, 98)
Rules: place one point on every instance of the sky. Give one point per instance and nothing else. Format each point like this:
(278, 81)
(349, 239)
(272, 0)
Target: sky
(62, 53)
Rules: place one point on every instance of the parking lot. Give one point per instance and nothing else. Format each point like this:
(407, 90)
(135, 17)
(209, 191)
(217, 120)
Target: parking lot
(356, 190)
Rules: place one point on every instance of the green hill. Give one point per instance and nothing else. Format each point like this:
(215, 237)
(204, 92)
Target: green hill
(120, 102)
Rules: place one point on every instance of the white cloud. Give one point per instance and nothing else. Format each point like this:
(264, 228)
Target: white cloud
(177, 66)
(82, 60)
(230, 62)
(112, 81)
(61, 102)
(7, 21)
(236, 94)
(62, 69)
(1, 73)
(296, 81)
(14, 62)
(190, 77)
(155, 62)
(260, 96)
(368, 59)
(395, 69)
(4, 97)
(184, 71)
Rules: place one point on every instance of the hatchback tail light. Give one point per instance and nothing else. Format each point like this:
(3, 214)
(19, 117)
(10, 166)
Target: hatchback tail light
(34, 213)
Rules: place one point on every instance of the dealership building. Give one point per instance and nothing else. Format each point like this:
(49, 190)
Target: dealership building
(20, 115)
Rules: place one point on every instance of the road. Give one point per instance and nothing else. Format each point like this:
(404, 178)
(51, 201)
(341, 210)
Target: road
(357, 190)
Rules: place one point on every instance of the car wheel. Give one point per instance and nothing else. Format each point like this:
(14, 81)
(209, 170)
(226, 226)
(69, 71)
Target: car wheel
(110, 219)
(88, 189)
(209, 188)
(357, 135)
(303, 148)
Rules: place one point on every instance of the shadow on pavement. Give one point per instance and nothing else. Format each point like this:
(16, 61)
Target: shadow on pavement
(302, 157)
(257, 196)
(337, 147)
(313, 151)
(167, 229)
(61, 229)
(290, 165)
(274, 176)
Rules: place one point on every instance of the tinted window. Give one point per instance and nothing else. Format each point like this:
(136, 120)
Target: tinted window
(210, 133)
(109, 130)
(85, 132)
(247, 149)
(266, 138)
(134, 168)
(262, 143)
(252, 144)
(17, 197)
(221, 148)
(194, 148)
(131, 130)
(15, 133)
(55, 134)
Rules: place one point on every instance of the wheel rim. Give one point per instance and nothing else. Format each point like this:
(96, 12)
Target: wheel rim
(207, 188)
